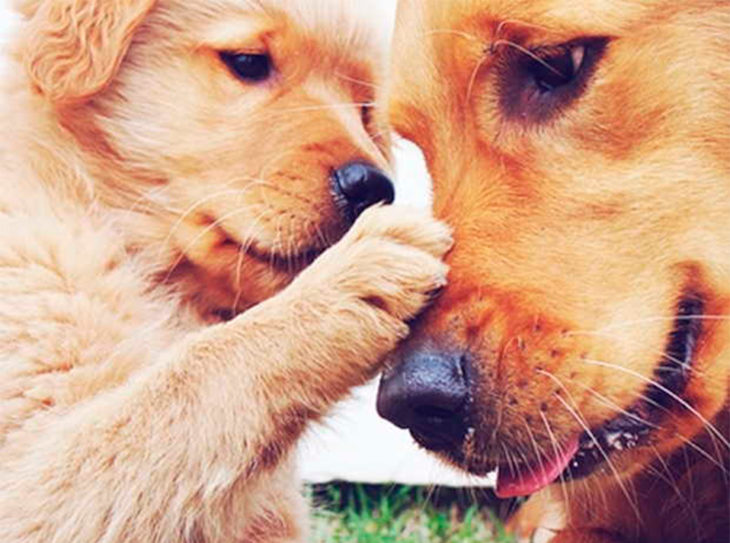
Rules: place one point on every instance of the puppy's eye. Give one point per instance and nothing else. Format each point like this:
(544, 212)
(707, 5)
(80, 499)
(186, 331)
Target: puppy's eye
(252, 68)
(537, 85)
(366, 113)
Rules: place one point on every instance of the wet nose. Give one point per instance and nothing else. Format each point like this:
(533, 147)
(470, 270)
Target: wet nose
(358, 186)
(427, 394)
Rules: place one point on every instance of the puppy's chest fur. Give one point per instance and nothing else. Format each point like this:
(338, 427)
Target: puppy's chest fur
(79, 317)
(78, 314)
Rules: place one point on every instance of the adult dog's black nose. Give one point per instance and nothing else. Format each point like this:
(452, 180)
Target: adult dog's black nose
(359, 186)
(427, 394)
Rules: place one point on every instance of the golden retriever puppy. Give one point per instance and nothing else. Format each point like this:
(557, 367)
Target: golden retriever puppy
(580, 152)
(168, 168)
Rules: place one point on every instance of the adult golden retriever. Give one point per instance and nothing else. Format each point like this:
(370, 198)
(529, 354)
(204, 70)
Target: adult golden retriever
(580, 152)
(166, 166)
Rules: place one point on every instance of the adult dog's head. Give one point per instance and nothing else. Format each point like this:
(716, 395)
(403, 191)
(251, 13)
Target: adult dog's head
(238, 137)
(580, 152)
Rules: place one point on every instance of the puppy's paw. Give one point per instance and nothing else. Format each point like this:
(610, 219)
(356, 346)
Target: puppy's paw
(404, 225)
(390, 262)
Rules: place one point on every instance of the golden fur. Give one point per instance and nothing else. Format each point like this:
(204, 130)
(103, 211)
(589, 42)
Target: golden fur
(577, 235)
(147, 197)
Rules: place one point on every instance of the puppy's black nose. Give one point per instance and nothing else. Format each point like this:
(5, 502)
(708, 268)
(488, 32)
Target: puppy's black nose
(427, 394)
(359, 186)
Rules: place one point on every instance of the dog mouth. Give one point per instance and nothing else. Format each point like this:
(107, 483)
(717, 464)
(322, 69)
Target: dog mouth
(289, 263)
(230, 273)
(590, 452)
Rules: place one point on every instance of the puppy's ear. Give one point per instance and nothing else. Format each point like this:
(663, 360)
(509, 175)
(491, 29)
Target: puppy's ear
(26, 7)
(74, 47)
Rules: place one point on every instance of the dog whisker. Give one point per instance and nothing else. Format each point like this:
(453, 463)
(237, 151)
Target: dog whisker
(681, 364)
(525, 461)
(149, 196)
(631, 499)
(368, 84)
(575, 412)
(614, 406)
(211, 227)
(321, 236)
(717, 461)
(713, 430)
(529, 53)
(539, 453)
(557, 448)
(508, 456)
(665, 474)
(345, 105)
(473, 78)
(661, 352)
(200, 203)
(238, 279)
(692, 494)
(265, 172)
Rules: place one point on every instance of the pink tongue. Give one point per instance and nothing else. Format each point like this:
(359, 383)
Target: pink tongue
(535, 478)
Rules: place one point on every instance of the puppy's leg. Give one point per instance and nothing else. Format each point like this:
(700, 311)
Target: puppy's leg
(158, 459)
(284, 515)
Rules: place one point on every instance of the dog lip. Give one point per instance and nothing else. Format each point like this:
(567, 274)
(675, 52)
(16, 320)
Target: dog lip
(520, 481)
(290, 264)
(631, 429)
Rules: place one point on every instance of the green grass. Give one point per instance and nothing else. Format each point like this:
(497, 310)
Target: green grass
(358, 514)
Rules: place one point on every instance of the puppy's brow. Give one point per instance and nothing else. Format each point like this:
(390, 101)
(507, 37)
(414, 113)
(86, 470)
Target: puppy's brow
(247, 31)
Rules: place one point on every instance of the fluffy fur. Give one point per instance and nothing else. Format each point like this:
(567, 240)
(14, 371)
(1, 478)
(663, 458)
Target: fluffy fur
(578, 231)
(148, 198)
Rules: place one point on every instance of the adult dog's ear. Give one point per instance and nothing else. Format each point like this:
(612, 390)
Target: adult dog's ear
(74, 48)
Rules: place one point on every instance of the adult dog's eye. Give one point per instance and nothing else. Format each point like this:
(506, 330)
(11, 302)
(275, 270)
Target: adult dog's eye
(536, 85)
(249, 67)
(556, 71)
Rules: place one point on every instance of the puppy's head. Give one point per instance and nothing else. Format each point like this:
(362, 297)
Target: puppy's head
(579, 150)
(237, 137)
